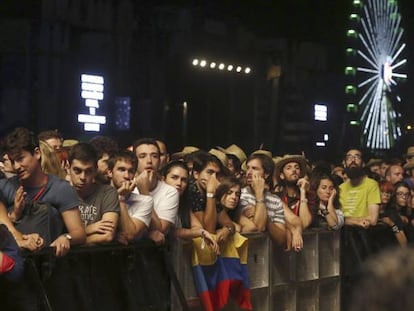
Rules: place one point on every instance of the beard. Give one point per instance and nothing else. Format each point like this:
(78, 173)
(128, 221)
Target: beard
(354, 172)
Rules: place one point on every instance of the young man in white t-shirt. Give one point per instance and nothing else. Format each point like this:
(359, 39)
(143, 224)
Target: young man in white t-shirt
(165, 197)
(136, 208)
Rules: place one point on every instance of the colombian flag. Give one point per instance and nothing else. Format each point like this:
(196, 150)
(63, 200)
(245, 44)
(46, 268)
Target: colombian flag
(217, 277)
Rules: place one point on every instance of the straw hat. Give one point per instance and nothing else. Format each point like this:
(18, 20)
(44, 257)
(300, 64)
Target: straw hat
(373, 162)
(288, 158)
(259, 151)
(236, 151)
(186, 150)
(69, 142)
(219, 155)
(410, 152)
(408, 166)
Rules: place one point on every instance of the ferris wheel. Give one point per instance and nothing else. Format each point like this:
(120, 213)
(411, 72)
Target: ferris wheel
(374, 70)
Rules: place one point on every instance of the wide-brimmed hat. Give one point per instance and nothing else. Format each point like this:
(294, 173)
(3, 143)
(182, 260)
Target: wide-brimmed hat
(372, 162)
(186, 150)
(408, 166)
(235, 151)
(67, 143)
(262, 151)
(259, 151)
(410, 152)
(219, 155)
(288, 158)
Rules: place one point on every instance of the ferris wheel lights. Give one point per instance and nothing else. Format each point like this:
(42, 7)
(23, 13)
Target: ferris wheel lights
(350, 52)
(350, 89)
(238, 69)
(352, 33)
(354, 123)
(203, 63)
(409, 127)
(354, 17)
(357, 3)
(350, 71)
(221, 66)
(247, 70)
(229, 67)
(212, 65)
(195, 62)
(352, 108)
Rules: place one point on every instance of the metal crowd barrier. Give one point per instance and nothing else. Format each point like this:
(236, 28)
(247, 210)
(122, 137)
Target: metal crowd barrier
(144, 276)
(111, 277)
(279, 280)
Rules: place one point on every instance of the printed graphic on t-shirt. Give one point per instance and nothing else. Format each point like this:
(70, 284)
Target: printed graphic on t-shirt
(88, 213)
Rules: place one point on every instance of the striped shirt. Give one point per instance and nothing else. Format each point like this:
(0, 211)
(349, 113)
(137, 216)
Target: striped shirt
(274, 204)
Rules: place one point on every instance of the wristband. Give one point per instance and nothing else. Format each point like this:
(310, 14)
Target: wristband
(260, 201)
(210, 195)
(304, 201)
(395, 229)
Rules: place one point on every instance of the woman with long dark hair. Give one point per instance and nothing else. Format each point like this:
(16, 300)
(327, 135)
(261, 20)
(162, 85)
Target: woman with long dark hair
(388, 213)
(176, 174)
(326, 210)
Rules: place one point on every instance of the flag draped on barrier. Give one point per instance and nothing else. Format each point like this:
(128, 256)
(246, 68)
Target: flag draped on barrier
(218, 277)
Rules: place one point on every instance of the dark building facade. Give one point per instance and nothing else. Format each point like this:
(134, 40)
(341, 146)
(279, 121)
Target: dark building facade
(144, 51)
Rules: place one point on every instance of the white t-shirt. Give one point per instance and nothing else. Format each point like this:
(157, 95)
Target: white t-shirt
(166, 200)
(140, 207)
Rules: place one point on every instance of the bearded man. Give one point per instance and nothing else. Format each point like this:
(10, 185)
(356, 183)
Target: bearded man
(359, 195)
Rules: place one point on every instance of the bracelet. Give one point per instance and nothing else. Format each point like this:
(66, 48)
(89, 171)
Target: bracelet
(303, 200)
(260, 201)
(395, 229)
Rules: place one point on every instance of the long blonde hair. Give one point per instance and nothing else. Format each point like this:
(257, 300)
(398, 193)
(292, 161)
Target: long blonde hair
(50, 161)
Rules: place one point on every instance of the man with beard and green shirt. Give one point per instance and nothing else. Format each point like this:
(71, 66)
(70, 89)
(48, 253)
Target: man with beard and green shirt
(359, 195)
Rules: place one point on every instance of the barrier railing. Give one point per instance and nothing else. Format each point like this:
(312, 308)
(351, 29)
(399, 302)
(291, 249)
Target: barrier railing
(111, 277)
(148, 277)
(279, 280)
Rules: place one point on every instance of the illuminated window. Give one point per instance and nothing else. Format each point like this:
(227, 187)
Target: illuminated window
(321, 112)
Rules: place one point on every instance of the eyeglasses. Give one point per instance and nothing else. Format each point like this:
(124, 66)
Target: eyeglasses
(403, 194)
(353, 157)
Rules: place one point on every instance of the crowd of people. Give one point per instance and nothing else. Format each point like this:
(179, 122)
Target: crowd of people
(96, 192)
